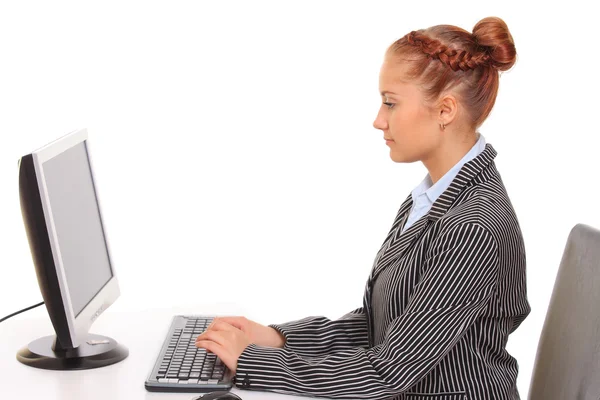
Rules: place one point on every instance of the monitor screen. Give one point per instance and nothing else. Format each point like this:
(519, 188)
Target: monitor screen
(79, 230)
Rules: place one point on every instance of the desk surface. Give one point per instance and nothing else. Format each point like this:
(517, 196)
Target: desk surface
(141, 332)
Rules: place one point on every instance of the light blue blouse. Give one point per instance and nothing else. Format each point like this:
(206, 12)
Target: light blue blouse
(424, 195)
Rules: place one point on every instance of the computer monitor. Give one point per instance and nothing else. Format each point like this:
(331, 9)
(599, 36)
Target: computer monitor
(68, 243)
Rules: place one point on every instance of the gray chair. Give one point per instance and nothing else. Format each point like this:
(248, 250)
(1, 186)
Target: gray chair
(567, 363)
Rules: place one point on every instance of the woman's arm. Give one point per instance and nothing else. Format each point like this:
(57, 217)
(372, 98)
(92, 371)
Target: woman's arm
(458, 281)
(319, 336)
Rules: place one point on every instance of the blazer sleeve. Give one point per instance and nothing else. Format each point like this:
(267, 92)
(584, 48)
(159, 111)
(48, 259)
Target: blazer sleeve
(458, 279)
(318, 336)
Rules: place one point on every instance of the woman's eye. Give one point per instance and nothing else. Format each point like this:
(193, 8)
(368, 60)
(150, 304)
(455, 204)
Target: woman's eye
(390, 105)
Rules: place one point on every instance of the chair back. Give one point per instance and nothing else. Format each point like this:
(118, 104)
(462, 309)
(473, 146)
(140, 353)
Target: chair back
(567, 363)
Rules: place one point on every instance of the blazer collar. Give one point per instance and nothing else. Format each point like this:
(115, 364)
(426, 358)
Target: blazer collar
(464, 177)
(443, 203)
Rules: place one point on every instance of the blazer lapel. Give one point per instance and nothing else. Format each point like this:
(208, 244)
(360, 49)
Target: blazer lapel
(399, 221)
(397, 246)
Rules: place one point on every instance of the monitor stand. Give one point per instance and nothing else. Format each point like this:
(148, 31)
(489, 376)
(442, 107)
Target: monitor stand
(95, 352)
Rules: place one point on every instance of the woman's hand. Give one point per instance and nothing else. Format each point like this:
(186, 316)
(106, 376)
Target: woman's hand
(224, 340)
(257, 333)
(227, 337)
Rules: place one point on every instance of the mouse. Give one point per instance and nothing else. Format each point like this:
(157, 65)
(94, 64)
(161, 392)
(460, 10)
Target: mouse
(221, 395)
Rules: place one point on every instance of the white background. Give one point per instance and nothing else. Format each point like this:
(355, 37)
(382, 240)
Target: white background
(234, 150)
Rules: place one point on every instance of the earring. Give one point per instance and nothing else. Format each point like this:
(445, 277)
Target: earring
(442, 125)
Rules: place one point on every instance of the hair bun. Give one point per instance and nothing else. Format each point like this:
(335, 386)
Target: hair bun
(492, 34)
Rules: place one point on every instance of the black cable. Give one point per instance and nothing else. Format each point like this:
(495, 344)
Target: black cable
(19, 312)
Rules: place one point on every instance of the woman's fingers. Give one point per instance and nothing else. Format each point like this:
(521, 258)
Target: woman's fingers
(214, 336)
(226, 341)
(227, 344)
(220, 351)
(238, 322)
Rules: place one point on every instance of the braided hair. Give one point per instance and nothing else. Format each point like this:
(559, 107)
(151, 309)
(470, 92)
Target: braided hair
(446, 57)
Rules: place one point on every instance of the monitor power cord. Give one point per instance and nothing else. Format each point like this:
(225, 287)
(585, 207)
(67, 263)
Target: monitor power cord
(19, 312)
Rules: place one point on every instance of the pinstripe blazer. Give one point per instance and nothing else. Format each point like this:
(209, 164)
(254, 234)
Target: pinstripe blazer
(439, 304)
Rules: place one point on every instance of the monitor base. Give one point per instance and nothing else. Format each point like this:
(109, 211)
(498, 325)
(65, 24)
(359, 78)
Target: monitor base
(95, 352)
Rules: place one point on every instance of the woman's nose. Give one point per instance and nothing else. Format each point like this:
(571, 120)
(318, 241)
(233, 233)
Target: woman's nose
(379, 123)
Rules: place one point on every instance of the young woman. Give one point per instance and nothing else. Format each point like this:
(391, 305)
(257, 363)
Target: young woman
(448, 285)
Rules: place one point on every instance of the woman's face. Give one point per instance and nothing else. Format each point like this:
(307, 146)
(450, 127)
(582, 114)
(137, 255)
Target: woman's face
(404, 118)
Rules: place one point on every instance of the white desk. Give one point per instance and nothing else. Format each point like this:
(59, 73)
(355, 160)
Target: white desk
(142, 333)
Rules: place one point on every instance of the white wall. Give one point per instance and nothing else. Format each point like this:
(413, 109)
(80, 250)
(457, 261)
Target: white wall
(234, 147)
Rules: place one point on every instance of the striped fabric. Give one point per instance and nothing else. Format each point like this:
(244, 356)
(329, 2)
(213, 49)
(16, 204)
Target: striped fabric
(439, 305)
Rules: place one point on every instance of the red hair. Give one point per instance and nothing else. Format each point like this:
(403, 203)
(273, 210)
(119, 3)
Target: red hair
(443, 57)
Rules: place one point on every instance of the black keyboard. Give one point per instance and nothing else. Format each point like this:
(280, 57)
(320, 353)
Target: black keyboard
(183, 367)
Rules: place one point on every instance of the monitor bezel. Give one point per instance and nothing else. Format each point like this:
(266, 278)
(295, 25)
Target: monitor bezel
(78, 326)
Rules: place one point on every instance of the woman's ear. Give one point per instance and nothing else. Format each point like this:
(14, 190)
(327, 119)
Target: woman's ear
(448, 109)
